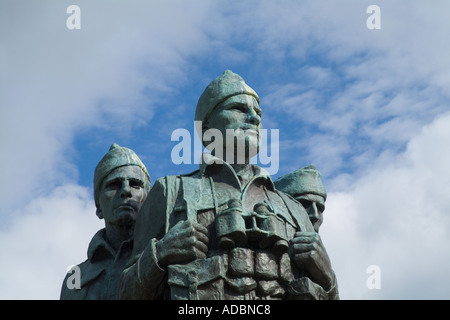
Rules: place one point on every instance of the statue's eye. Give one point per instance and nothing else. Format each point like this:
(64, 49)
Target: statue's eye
(238, 107)
(137, 184)
(113, 185)
(305, 203)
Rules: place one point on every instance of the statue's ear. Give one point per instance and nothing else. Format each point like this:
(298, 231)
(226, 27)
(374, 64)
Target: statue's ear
(99, 213)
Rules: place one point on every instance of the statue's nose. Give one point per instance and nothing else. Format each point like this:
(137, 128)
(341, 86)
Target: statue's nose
(126, 190)
(253, 117)
(313, 213)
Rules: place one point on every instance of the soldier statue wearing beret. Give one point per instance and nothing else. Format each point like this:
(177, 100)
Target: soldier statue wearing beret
(224, 231)
(121, 184)
(305, 185)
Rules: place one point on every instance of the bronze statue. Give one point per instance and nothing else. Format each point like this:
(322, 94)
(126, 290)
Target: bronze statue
(305, 185)
(121, 184)
(224, 231)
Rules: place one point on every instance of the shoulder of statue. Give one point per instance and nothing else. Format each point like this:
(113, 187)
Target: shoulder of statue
(151, 219)
(285, 195)
(88, 272)
(190, 174)
(77, 268)
(164, 182)
(161, 186)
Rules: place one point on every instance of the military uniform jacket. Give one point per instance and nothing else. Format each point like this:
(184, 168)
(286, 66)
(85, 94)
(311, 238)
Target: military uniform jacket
(204, 196)
(100, 272)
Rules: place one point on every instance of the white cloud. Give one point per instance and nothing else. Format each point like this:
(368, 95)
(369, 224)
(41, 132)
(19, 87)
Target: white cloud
(57, 81)
(48, 235)
(396, 217)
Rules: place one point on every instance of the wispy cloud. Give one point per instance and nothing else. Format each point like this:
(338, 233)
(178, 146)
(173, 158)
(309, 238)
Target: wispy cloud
(368, 92)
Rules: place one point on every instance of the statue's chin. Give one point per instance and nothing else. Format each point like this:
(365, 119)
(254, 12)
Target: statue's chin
(236, 149)
(242, 151)
(127, 218)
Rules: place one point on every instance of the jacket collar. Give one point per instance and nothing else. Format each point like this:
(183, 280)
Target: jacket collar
(210, 164)
(100, 249)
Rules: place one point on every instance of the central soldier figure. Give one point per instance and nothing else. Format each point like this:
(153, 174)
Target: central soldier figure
(223, 231)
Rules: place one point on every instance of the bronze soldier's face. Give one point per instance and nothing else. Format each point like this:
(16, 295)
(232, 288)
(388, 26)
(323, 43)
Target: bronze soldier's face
(314, 206)
(121, 195)
(238, 114)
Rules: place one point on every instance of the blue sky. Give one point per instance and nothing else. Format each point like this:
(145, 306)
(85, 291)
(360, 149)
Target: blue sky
(370, 108)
